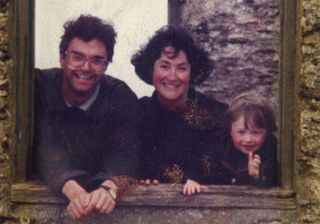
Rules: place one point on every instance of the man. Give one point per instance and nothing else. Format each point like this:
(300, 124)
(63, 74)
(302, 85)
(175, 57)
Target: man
(87, 122)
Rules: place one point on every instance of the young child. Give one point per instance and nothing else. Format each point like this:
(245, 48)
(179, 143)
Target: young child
(251, 158)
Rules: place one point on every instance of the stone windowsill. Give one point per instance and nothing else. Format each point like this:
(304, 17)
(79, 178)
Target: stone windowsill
(169, 195)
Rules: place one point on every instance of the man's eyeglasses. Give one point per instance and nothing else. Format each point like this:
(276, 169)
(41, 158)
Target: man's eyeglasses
(77, 60)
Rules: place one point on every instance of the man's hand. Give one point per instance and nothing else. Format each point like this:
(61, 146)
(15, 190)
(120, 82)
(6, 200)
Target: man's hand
(79, 199)
(101, 200)
(83, 203)
(254, 165)
(192, 187)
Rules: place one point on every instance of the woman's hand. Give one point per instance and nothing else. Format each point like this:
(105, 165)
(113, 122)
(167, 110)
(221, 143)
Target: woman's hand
(192, 187)
(147, 182)
(254, 165)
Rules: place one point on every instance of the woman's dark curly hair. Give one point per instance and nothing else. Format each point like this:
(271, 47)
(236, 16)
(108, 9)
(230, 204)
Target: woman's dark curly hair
(180, 40)
(87, 28)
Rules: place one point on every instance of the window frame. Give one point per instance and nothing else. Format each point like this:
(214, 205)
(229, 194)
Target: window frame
(23, 85)
(23, 89)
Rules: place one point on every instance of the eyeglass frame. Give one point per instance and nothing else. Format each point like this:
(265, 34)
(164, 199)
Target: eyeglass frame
(90, 60)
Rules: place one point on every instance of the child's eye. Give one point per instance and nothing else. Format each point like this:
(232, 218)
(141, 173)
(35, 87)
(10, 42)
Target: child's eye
(257, 132)
(241, 132)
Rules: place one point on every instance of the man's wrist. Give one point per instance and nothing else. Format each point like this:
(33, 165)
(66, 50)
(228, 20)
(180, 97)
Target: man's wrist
(110, 183)
(111, 192)
(72, 189)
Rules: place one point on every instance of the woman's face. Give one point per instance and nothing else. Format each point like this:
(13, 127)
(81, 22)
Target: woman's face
(171, 77)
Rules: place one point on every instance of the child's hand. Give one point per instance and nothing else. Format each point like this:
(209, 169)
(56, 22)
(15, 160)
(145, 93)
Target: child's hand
(254, 165)
(192, 187)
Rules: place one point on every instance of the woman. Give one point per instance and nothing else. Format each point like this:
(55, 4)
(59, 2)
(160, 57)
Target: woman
(182, 129)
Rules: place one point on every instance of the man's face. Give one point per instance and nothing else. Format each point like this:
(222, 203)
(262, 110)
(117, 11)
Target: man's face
(171, 77)
(83, 64)
(247, 140)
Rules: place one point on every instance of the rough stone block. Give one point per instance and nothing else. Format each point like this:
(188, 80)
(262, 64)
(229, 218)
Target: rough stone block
(310, 20)
(310, 131)
(310, 68)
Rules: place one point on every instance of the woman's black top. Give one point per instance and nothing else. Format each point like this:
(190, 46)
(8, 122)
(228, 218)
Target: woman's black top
(181, 145)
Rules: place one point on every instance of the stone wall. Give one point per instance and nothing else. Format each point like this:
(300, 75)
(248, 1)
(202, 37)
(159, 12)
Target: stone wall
(308, 86)
(6, 110)
(242, 37)
(256, 31)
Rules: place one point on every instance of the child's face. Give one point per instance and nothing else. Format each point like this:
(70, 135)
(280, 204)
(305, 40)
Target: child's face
(247, 140)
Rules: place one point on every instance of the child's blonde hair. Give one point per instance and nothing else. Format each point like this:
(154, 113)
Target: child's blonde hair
(256, 112)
